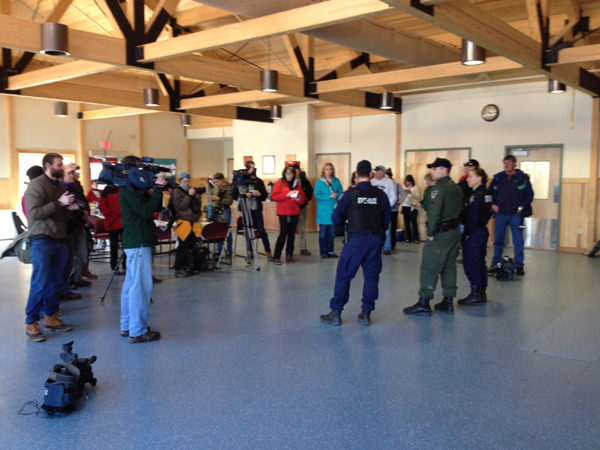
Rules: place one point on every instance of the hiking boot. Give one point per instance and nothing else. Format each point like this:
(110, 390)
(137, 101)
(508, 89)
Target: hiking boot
(69, 296)
(82, 283)
(53, 323)
(269, 256)
(149, 336)
(421, 308)
(445, 306)
(89, 275)
(182, 273)
(333, 318)
(33, 332)
(305, 252)
(364, 318)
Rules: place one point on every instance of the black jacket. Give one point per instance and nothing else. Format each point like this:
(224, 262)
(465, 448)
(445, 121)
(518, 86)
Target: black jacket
(308, 190)
(259, 185)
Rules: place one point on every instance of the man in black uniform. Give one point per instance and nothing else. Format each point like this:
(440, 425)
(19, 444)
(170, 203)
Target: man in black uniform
(366, 212)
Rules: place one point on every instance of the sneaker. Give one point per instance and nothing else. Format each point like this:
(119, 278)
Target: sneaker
(53, 323)
(305, 252)
(333, 255)
(33, 332)
(269, 256)
(69, 296)
(277, 262)
(82, 283)
(148, 337)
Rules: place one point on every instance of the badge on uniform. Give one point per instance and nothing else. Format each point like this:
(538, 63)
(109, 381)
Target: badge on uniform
(433, 194)
(471, 199)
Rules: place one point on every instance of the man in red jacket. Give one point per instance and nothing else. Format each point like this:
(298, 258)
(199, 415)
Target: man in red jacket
(111, 210)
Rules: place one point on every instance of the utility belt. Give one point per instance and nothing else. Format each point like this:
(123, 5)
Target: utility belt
(354, 233)
(448, 225)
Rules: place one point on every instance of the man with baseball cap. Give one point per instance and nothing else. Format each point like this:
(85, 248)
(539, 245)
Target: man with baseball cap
(443, 241)
(365, 211)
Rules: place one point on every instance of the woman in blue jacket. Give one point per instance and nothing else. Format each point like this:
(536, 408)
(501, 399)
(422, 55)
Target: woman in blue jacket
(327, 191)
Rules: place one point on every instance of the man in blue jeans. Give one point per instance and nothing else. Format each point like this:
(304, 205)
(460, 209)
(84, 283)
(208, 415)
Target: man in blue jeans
(139, 239)
(48, 209)
(513, 195)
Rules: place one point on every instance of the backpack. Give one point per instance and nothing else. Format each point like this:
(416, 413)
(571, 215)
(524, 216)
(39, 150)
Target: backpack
(21, 246)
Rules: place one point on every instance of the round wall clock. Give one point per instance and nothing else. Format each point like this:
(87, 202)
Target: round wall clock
(490, 112)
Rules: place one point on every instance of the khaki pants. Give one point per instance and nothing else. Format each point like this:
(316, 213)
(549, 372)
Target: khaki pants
(302, 226)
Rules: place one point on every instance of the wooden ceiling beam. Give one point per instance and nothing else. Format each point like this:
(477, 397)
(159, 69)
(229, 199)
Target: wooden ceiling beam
(168, 6)
(110, 113)
(199, 14)
(298, 19)
(116, 30)
(417, 74)
(578, 55)
(470, 22)
(56, 73)
(293, 51)
(229, 99)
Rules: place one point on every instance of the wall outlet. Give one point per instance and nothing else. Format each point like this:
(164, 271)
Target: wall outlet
(579, 230)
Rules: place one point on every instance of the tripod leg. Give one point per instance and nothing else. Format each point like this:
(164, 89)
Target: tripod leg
(231, 222)
(113, 275)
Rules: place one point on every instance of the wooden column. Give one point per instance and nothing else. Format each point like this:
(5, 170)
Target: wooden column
(188, 156)
(398, 147)
(13, 155)
(593, 186)
(140, 149)
(83, 158)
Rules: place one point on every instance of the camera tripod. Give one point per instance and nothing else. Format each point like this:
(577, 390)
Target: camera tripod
(248, 227)
(113, 276)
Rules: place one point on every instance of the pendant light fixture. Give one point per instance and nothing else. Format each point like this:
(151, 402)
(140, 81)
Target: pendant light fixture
(276, 112)
(55, 37)
(186, 120)
(151, 97)
(386, 100)
(269, 78)
(61, 109)
(472, 54)
(556, 87)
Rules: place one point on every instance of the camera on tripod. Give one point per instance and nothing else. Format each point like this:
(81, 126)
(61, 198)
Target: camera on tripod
(66, 382)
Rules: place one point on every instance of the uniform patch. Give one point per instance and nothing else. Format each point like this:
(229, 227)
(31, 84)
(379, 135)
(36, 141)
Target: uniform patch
(472, 199)
(433, 194)
(488, 199)
(366, 201)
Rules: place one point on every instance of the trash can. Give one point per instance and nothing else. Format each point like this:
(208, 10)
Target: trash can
(399, 235)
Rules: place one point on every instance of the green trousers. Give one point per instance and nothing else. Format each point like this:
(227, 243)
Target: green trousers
(439, 258)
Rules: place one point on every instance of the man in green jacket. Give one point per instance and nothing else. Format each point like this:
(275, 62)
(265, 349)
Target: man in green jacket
(139, 238)
(443, 241)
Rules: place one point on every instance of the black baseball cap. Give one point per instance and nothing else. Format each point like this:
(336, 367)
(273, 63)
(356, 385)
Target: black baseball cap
(472, 163)
(363, 166)
(440, 162)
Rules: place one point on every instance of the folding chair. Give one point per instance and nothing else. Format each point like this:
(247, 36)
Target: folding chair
(214, 233)
(165, 237)
(99, 234)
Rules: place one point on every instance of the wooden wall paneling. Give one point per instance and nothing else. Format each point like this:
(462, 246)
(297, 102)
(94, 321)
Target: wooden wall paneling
(574, 208)
(592, 236)
(5, 194)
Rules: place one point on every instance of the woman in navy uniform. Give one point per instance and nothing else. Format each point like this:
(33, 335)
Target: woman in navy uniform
(475, 237)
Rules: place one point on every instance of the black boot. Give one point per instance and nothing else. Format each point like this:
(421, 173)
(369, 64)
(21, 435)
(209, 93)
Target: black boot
(421, 308)
(471, 296)
(477, 299)
(482, 292)
(333, 318)
(445, 306)
(364, 318)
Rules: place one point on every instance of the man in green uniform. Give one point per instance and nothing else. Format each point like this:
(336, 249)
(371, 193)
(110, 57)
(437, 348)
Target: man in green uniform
(443, 241)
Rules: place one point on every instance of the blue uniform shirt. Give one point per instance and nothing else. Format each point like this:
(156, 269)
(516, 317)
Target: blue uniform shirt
(339, 213)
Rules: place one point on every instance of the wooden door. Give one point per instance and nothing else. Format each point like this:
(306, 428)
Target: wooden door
(341, 163)
(416, 165)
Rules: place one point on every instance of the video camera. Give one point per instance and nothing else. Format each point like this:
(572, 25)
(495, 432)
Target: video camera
(506, 269)
(66, 382)
(138, 177)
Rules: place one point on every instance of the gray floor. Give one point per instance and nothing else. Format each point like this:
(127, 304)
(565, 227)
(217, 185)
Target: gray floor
(245, 363)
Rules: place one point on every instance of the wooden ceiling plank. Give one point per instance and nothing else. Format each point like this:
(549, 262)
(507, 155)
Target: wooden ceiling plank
(558, 36)
(298, 19)
(61, 8)
(229, 99)
(199, 14)
(308, 49)
(116, 30)
(534, 21)
(6, 7)
(417, 74)
(168, 5)
(578, 55)
(113, 112)
(291, 44)
(60, 72)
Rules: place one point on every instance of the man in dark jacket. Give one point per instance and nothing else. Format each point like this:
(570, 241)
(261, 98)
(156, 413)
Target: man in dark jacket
(139, 238)
(308, 191)
(256, 197)
(188, 211)
(48, 209)
(513, 195)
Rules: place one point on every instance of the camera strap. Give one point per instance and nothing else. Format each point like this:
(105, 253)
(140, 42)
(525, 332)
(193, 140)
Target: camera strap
(71, 378)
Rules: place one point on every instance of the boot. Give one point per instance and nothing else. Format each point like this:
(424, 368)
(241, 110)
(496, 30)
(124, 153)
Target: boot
(482, 290)
(34, 333)
(364, 318)
(53, 323)
(333, 318)
(421, 308)
(89, 275)
(445, 306)
(472, 295)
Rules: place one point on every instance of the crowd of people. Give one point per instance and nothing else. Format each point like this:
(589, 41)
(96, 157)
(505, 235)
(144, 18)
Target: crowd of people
(457, 216)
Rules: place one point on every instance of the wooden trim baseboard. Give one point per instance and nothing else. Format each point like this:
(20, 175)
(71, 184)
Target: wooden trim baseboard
(572, 249)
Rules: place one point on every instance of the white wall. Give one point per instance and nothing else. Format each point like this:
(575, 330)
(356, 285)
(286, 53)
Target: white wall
(210, 156)
(4, 173)
(366, 137)
(164, 138)
(36, 127)
(289, 135)
(528, 116)
(123, 133)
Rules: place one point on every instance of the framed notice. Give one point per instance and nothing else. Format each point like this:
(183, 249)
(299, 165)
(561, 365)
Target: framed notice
(269, 164)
